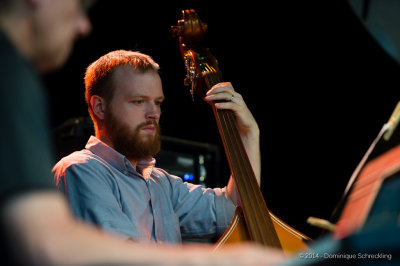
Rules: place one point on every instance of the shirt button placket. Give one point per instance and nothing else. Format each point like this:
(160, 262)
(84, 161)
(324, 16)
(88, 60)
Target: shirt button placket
(126, 167)
(152, 209)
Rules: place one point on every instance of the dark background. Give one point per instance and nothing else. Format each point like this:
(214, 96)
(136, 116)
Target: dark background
(317, 83)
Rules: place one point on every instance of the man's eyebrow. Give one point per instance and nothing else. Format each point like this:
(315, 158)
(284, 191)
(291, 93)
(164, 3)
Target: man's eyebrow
(87, 4)
(146, 97)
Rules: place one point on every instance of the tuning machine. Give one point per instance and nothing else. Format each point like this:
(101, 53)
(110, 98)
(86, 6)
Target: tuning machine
(191, 77)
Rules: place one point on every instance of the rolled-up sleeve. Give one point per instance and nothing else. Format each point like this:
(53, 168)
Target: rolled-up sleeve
(225, 209)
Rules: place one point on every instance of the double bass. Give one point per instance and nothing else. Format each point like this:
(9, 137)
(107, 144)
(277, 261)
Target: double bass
(252, 220)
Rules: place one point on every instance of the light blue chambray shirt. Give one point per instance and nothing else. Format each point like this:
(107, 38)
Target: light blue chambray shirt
(103, 188)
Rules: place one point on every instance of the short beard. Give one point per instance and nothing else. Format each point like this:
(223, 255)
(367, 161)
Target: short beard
(133, 145)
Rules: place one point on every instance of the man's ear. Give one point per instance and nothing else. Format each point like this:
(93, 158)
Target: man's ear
(98, 105)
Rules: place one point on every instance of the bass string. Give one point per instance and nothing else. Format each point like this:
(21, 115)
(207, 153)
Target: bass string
(263, 229)
(244, 176)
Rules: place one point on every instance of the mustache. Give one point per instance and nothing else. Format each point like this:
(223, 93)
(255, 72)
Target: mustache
(148, 123)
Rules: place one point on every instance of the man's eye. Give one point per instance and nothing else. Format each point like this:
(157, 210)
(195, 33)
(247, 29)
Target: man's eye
(137, 101)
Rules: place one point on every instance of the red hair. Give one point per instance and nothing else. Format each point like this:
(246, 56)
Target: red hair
(98, 76)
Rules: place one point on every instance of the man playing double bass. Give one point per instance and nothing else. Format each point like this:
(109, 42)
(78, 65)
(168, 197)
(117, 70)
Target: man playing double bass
(114, 182)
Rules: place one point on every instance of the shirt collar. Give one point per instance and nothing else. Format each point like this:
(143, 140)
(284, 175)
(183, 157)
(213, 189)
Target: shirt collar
(118, 160)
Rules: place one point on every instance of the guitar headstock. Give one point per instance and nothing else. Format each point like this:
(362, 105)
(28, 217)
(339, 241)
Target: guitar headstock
(202, 70)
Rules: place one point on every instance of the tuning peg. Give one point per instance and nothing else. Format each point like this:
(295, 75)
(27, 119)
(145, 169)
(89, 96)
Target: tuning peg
(177, 31)
(187, 81)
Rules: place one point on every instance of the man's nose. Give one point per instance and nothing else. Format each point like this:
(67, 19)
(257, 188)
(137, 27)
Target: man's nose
(153, 112)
